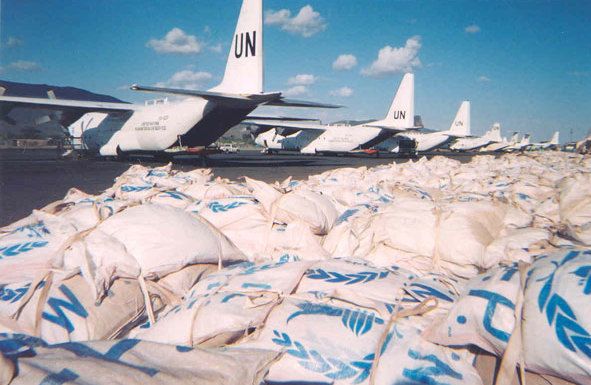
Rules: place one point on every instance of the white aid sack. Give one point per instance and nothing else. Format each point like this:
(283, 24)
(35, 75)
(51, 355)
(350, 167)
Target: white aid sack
(32, 248)
(465, 231)
(407, 225)
(86, 211)
(575, 207)
(180, 282)
(212, 190)
(134, 190)
(163, 239)
(101, 258)
(484, 315)
(226, 305)
(132, 362)
(241, 219)
(296, 240)
(263, 192)
(555, 317)
(343, 238)
(313, 209)
(171, 198)
(518, 245)
(406, 358)
(557, 327)
(351, 277)
(326, 341)
(69, 311)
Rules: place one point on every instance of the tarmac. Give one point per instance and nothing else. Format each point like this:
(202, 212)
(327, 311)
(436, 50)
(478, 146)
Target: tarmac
(33, 178)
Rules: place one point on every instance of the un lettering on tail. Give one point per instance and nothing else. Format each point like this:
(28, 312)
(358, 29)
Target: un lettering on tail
(461, 123)
(244, 68)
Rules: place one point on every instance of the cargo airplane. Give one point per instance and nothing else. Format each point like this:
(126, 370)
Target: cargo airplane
(202, 117)
(312, 138)
(546, 145)
(429, 140)
(500, 146)
(520, 146)
(475, 143)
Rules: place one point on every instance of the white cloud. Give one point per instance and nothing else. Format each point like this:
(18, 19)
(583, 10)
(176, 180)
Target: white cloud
(344, 92)
(176, 41)
(296, 91)
(216, 48)
(187, 79)
(302, 79)
(483, 78)
(472, 28)
(13, 42)
(23, 65)
(396, 59)
(306, 23)
(344, 62)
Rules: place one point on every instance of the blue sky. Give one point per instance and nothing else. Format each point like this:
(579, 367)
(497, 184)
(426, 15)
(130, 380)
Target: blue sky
(525, 64)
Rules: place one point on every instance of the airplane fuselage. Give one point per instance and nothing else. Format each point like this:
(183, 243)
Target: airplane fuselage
(469, 144)
(272, 140)
(341, 138)
(424, 141)
(158, 126)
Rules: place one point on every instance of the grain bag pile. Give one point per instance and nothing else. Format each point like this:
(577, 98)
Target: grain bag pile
(403, 273)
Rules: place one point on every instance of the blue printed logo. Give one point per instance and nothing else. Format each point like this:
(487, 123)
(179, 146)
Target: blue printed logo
(217, 207)
(20, 248)
(347, 279)
(330, 367)
(359, 322)
(559, 313)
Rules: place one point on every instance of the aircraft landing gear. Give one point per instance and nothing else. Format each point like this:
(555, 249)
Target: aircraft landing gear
(121, 155)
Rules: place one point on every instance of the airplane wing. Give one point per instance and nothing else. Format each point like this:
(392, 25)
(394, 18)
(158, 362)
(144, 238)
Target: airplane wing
(268, 99)
(64, 104)
(71, 110)
(299, 103)
(281, 124)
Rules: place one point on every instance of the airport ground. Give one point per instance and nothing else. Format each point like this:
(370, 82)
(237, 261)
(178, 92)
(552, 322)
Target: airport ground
(30, 179)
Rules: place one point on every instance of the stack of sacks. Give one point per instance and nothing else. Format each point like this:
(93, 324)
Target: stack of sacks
(62, 284)
(460, 237)
(350, 270)
(329, 318)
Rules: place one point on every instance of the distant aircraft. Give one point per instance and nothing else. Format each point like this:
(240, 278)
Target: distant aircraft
(120, 128)
(425, 141)
(311, 138)
(518, 146)
(475, 143)
(499, 146)
(549, 144)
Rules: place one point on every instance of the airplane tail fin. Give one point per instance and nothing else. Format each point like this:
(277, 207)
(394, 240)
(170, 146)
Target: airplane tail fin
(244, 68)
(418, 122)
(555, 138)
(495, 133)
(514, 138)
(461, 124)
(402, 109)
(525, 140)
